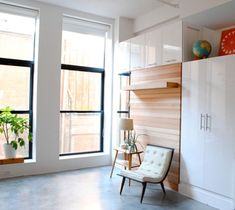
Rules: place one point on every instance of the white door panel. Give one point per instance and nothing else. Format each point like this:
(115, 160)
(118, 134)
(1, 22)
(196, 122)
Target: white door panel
(193, 123)
(219, 140)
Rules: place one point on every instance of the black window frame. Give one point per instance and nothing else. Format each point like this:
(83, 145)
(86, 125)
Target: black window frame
(120, 111)
(68, 67)
(30, 65)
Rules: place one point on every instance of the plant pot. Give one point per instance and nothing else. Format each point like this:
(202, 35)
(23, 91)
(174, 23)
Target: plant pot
(9, 151)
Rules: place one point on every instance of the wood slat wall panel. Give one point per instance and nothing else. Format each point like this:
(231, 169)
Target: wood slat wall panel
(156, 113)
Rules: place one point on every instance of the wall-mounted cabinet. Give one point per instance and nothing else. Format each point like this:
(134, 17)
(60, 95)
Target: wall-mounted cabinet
(137, 56)
(154, 48)
(172, 43)
(124, 56)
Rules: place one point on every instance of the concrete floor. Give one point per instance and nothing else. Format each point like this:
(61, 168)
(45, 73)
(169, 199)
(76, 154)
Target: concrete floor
(87, 189)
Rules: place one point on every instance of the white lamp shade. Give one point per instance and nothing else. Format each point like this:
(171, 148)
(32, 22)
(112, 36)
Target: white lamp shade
(126, 124)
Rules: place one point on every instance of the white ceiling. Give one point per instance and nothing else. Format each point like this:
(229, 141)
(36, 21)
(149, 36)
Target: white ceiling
(111, 8)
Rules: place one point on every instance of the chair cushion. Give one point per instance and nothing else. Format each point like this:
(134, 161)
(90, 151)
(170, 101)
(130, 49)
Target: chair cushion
(154, 166)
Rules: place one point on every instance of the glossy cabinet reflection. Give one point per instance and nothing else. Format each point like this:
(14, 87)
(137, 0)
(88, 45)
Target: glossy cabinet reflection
(157, 47)
(154, 48)
(208, 128)
(124, 56)
(137, 58)
(172, 43)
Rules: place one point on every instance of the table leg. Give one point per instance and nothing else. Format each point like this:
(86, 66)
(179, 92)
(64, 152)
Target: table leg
(139, 158)
(129, 165)
(125, 158)
(114, 162)
(129, 161)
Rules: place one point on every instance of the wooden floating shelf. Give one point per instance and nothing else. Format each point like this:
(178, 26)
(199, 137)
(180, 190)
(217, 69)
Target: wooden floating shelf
(155, 85)
(11, 161)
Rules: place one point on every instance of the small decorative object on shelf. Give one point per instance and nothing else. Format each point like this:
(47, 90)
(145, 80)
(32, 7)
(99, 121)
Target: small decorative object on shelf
(227, 43)
(201, 49)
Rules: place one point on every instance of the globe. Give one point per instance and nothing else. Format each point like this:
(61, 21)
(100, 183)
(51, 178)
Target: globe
(201, 49)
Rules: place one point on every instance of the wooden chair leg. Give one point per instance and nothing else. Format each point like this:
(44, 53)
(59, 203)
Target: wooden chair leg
(163, 188)
(123, 182)
(143, 191)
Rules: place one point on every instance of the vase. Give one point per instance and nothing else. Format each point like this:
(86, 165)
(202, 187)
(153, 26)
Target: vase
(9, 151)
(132, 148)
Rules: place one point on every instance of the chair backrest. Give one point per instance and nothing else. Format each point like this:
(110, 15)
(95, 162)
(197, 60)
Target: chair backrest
(157, 160)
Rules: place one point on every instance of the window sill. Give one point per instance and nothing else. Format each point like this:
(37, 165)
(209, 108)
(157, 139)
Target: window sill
(11, 161)
(98, 154)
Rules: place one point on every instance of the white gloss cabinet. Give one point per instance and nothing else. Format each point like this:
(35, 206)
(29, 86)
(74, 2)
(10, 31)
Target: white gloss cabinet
(124, 56)
(193, 124)
(172, 43)
(153, 46)
(208, 131)
(137, 57)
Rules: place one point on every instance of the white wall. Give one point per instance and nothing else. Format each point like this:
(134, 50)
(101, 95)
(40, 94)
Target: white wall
(47, 97)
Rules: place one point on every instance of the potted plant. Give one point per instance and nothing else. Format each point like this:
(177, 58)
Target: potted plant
(12, 128)
(131, 141)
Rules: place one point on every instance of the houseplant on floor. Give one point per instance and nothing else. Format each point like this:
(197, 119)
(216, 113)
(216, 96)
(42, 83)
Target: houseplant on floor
(12, 128)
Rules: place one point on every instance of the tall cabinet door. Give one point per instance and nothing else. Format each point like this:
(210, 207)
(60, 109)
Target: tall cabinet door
(220, 126)
(153, 48)
(193, 122)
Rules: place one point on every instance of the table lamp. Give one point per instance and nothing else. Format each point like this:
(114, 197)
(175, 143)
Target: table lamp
(126, 124)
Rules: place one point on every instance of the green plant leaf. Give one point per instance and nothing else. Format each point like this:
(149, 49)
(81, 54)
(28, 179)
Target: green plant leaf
(14, 144)
(30, 137)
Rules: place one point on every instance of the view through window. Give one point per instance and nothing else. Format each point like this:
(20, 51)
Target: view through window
(17, 33)
(82, 89)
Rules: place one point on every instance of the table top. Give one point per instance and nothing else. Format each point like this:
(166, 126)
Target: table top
(119, 149)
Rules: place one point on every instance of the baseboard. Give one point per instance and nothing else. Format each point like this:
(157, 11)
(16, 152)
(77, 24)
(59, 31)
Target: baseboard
(206, 197)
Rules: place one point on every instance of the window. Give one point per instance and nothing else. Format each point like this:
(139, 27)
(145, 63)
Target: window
(17, 33)
(82, 87)
(124, 96)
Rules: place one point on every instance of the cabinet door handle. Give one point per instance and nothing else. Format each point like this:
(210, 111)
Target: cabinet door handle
(171, 60)
(137, 67)
(152, 64)
(202, 122)
(208, 122)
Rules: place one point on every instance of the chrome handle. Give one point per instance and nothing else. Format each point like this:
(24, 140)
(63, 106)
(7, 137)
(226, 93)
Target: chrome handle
(208, 122)
(202, 122)
(171, 60)
(152, 64)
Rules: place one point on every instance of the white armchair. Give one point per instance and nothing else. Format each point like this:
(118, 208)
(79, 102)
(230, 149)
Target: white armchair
(154, 168)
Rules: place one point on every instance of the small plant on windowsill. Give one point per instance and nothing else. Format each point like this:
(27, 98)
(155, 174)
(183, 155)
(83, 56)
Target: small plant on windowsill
(12, 129)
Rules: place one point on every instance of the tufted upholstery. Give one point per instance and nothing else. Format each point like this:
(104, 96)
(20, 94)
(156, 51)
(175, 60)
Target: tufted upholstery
(154, 166)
